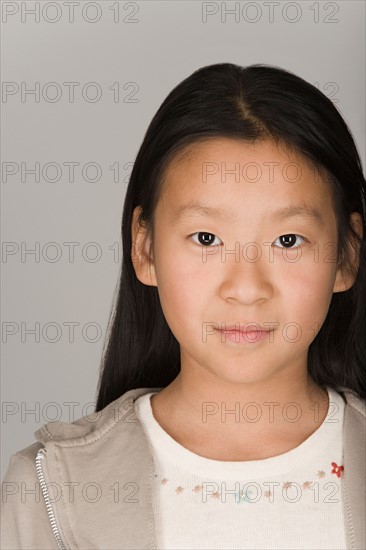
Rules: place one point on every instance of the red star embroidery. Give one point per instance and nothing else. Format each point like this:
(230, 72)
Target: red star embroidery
(337, 469)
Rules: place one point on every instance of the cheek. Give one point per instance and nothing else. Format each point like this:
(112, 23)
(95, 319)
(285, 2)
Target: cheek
(179, 298)
(307, 292)
(182, 270)
(183, 289)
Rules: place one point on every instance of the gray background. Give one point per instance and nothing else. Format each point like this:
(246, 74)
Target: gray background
(153, 45)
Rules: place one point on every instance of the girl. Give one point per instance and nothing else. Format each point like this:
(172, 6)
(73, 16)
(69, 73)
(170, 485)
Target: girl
(231, 403)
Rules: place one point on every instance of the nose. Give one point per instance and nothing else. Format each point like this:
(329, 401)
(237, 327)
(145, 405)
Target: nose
(246, 277)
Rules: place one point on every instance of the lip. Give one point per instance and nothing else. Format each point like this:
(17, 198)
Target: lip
(257, 327)
(232, 333)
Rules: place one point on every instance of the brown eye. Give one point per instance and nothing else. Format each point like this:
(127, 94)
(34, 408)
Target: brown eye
(204, 238)
(288, 241)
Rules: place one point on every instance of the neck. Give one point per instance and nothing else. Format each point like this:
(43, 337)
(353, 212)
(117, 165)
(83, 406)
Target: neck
(217, 418)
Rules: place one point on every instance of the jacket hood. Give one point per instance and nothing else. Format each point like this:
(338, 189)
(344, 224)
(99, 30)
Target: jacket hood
(90, 427)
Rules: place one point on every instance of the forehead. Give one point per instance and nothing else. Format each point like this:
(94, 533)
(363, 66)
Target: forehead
(263, 152)
(235, 172)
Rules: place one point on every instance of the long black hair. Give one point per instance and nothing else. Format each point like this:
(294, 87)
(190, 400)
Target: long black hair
(247, 103)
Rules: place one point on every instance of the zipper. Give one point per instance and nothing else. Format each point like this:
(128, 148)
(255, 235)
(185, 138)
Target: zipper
(56, 532)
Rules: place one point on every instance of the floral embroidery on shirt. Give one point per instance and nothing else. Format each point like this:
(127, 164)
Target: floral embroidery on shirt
(337, 469)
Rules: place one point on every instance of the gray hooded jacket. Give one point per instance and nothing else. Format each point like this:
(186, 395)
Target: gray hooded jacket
(88, 484)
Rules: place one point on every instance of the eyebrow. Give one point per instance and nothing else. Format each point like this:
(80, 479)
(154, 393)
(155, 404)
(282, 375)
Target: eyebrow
(293, 210)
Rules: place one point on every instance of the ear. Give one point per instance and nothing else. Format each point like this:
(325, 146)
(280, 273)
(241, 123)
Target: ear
(345, 276)
(141, 252)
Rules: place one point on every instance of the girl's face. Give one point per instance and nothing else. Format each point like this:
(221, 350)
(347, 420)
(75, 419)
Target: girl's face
(265, 255)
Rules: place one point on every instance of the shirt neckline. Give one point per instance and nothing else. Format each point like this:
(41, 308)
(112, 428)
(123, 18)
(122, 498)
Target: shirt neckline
(168, 449)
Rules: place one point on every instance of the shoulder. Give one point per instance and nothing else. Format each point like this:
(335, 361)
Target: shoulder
(22, 464)
(120, 415)
(97, 447)
(23, 514)
(355, 404)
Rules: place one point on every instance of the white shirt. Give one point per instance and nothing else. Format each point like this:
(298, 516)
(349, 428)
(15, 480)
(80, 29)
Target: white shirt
(289, 502)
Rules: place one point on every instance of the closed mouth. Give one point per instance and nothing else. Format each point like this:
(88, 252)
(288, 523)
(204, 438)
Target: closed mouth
(244, 331)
